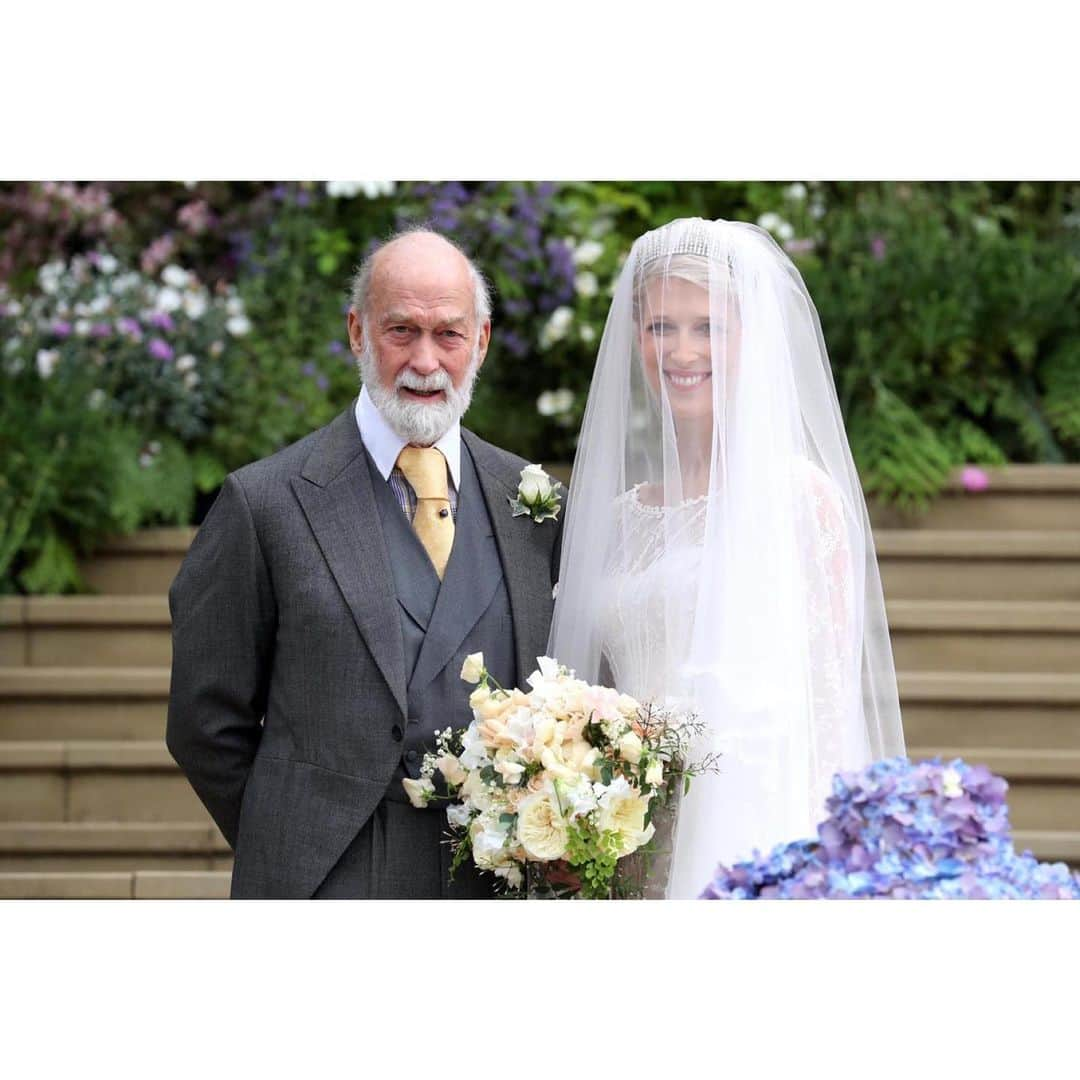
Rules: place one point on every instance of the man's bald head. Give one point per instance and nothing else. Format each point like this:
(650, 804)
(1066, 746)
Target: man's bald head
(422, 256)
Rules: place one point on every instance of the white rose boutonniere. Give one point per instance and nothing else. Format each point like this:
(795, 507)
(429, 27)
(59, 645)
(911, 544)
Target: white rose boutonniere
(537, 495)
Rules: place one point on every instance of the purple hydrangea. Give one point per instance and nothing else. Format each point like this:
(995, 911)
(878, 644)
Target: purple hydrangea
(898, 830)
(162, 320)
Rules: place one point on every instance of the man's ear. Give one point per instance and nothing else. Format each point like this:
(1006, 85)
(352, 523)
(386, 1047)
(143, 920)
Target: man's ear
(356, 333)
(484, 340)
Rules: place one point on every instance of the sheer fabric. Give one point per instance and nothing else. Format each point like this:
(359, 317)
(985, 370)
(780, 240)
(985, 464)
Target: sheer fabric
(717, 553)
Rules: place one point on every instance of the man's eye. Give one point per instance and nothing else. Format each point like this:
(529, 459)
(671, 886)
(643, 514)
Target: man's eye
(399, 329)
(454, 333)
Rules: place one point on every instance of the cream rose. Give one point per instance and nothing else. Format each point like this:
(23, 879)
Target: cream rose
(622, 811)
(419, 791)
(472, 671)
(541, 829)
(452, 769)
(630, 748)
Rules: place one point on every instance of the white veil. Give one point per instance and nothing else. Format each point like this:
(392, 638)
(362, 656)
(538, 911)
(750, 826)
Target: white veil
(717, 551)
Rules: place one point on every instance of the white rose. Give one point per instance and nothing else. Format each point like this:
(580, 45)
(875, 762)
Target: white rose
(630, 748)
(540, 828)
(419, 791)
(472, 671)
(47, 359)
(535, 485)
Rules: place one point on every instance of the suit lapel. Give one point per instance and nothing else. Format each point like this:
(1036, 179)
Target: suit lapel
(472, 576)
(528, 579)
(337, 497)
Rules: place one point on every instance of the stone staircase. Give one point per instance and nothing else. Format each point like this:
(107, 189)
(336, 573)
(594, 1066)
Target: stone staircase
(983, 596)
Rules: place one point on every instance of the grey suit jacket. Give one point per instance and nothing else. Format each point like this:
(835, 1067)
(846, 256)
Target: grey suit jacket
(288, 674)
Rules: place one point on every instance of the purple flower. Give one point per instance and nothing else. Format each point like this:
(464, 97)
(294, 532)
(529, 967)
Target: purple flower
(159, 350)
(322, 382)
(335, 348)
(129, 326)
(309, 370)
(973, 478)
(61, 328)
(878, 247)
(162, 320)
(101, 330)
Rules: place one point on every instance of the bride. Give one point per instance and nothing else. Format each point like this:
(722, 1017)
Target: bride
(717, 553)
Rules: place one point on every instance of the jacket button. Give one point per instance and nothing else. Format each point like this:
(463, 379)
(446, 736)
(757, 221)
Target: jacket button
(397, 733)
(411, 756)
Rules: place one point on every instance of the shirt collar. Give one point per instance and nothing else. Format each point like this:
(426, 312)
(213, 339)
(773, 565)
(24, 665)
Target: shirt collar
(384, 444)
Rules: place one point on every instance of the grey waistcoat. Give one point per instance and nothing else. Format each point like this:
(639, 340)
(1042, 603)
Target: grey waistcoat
(443, 622)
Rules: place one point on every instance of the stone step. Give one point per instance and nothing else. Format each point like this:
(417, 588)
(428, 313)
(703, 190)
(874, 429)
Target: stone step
(83, 703)
(111, 846)
(126, 885)
(85, 631)
(1018, 497)
(979, 635)
(144, 563)
(973, 564)
(94, 781)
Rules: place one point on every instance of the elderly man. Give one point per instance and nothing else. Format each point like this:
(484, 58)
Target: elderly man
(323, 613)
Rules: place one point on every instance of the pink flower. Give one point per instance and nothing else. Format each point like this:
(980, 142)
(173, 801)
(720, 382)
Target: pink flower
(878, 247)
(972, 478)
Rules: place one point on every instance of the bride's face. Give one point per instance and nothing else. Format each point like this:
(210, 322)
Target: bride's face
(677, 330)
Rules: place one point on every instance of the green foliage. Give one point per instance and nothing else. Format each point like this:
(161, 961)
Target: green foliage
(596, 855)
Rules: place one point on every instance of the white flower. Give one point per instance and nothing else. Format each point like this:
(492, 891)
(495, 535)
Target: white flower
(238, 325)
(96, 398)
(47, 359)
(186, 362)
(168, 299)
(195, 304)
(586, 285)
(557, 327)
(549, 668)
(451, 768)
(124, 283)
(458, 814)
(587, 252)
(587, 334)
(343, 189)
(373, 189)
(953, 788)
(540, 827)
(472, 671)
(175, 276)
(82, 327)
(555, 402)
(622, 810)
(535, 486)
(769, 221)
(107, 264)
(100, 304)
(234, 306)
(630, 747)
(49, 277)
(654, 774)
(191, 379)
(509, 769)
(579, 798)
(419, 791)
(473, 752)
(785, 230)
(488, 842)
(512, 874)
(14, 308)
(796, 192)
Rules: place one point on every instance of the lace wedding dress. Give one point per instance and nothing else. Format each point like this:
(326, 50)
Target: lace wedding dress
(649, 593)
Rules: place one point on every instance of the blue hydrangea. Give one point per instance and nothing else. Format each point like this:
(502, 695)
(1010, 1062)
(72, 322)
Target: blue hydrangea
(900, 830)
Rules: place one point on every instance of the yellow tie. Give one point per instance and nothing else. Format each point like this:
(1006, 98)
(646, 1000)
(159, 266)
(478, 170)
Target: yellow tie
(425, 469)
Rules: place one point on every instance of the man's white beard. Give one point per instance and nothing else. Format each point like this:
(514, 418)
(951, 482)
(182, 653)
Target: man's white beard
(420, 423)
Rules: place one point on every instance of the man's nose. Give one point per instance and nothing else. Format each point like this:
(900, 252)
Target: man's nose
(424, 359)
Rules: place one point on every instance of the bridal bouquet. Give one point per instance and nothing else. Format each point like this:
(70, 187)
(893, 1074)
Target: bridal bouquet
(554, 789)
